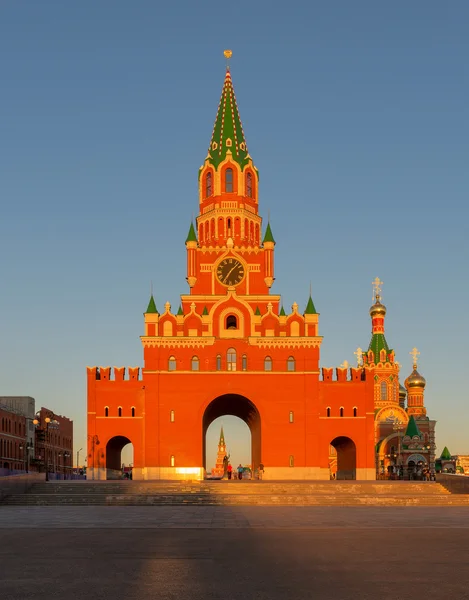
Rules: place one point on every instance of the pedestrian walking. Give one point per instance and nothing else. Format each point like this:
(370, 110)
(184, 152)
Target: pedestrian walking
(261, 471)
(229, 470)
(240, 471)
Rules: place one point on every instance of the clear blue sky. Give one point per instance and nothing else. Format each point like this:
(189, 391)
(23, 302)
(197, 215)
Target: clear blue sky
(356, 114)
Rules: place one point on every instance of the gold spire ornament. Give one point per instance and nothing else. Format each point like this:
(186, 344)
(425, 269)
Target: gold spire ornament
(228, 54)
(415, 354)
(376, 283)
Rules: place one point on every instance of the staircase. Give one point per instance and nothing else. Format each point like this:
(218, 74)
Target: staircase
(240, 493)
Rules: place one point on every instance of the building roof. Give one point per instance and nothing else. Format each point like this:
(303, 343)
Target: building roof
(282, 312)
(377, 343)
(180, 310)
(222, 437)
(151, 306)
(268, 237)
(191, 236)
(412, 428)
(446, 454)
(310, 308)
(228, 131)
(205, 311)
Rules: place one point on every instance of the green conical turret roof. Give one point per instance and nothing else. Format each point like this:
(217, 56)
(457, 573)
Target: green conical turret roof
(412, 428)
(310, 308)
(282, 312)
(258, 312)
(180, 310)
(446, 454)
(191, 236)
(268, 237)
(377, 343)
(222, 438)
(151, 306)
(205, 311)
(228, 131)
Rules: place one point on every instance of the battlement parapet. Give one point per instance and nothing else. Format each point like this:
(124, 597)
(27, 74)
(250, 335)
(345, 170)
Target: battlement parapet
(113, 373)
(343, 374)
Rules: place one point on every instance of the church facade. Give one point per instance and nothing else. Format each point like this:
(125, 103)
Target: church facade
(230, 348)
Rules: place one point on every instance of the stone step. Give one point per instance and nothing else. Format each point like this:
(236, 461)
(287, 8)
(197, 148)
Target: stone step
(235, 500)
(151, 488)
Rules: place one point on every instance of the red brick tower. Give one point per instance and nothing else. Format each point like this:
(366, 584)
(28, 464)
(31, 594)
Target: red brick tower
(231, 349)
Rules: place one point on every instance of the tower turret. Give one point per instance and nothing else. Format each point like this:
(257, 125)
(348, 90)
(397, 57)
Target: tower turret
(191, 246)
(415, 385)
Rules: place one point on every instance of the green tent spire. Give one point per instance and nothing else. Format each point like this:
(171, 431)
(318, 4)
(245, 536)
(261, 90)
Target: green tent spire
(222, 438)
(268, 237)
(412, 428)
(310, 308)
(282, 312)
(180, 310)
(205, 311)
(228, 131)
(191, 236)
(258, 312)
(151, 306)
(446, 454)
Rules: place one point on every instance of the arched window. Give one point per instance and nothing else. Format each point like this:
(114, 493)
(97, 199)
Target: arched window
(228, 223)
(195, 363)
(119, 411)
(172, 461)
(231, 322)
(267, 364)
(292, 417)
(384, 391)
(171, 363)
(290, 363)
(328, 411)
(244, 363)
(229, 180)
(341, 411)
(231, 359)
(133, 411)
(106, 411)
(208, 185)
(171, 416)
(355, 411)
(218, 362)
(249, 185)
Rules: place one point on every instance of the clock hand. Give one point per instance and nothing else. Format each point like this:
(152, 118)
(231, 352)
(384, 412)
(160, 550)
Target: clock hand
(229, 273)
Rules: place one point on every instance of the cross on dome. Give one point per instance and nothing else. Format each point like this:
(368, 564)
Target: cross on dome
(376, 283)
(415, 354)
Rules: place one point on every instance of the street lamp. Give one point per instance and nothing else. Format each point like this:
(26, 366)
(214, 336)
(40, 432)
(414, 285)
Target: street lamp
(43, 430)
(398, 427)
(28, 447)
(78, 459)
(94, 442)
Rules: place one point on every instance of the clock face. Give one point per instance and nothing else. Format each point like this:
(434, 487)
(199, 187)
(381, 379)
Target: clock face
(230, 271)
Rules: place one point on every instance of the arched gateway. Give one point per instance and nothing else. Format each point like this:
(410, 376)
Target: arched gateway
(236, 406)
(231, 347)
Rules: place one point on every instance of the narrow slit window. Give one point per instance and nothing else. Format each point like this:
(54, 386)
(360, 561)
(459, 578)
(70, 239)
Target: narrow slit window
(328, 411)
(341, 411)
(249, 185)
(355, 411)
(171, 416)
(229, 180)
(208, 185)
(244, 362)
(119, 411)
(219, 362)
(133, 411)
(106, 411)
(292, 460)
(292, 418)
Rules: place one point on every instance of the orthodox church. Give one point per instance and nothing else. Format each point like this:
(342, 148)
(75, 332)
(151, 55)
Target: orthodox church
(231, 348)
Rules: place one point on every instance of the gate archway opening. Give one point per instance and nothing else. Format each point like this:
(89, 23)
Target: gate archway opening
(119, 457)
(237, 406)
(346, 457)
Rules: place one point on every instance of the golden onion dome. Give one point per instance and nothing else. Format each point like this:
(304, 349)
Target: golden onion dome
(415, 380)
(377, 309)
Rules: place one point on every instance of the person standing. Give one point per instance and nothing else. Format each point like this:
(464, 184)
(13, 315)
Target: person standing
(240, 471)
(261, 471)
(229, 470)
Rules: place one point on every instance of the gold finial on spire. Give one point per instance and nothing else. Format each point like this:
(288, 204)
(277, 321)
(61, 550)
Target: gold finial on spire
(415, 354)
(376, 283)
(227, 54)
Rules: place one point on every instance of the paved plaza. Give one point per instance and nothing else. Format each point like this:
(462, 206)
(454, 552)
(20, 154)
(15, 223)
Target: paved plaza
(214, 552)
